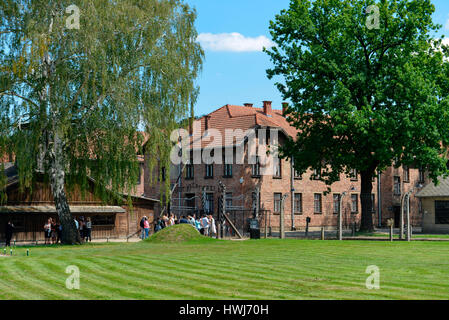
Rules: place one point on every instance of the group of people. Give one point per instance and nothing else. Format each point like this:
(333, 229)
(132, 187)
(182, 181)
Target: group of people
(145, 226)
(205, 224)
(53, 231)
(84, 227)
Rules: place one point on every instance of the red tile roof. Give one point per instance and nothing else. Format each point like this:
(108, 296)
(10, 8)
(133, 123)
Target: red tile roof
(244, 118)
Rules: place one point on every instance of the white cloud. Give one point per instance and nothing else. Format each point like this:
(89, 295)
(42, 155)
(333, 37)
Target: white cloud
(233, 42)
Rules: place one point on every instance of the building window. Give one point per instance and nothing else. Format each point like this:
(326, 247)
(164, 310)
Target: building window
(422, 177)
(316, 174)
(209, 171)
(406, 172)
(277, 173)
(441, 212)
(317, 206)
(297, 203)
(397, 186)
(277, 202)
(420, 210)
(209, 203)
(103, 220)
(297, 175)
(255, 168)
(336, 203)
(353, 174)
(373, 200)
(354, 203)
(189, 171)
(227, 171)
(190, 201)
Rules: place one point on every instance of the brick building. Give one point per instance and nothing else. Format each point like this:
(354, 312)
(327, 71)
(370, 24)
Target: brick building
(197, 189)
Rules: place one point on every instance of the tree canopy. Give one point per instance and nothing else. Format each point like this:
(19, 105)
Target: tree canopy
(77, 83)
(364, 95)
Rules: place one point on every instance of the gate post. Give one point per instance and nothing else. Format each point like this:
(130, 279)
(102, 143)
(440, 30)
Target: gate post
(281, 218)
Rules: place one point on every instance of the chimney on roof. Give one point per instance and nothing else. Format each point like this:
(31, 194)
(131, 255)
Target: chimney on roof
(249, 105)
(206, 122)
(191, 126)
(284, 108)
(267, 108)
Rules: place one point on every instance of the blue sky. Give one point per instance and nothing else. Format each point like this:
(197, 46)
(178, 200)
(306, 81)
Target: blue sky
(236, 77)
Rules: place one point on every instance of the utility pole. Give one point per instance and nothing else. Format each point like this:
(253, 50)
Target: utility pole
(340, 218)
(281, 218)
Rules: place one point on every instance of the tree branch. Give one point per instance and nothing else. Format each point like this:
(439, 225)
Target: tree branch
(19, 96)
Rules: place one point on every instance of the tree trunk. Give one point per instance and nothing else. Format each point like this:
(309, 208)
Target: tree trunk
(365, 197)
(70, 234)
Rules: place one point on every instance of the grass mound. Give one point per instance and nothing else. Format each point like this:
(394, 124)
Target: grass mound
(177, 233)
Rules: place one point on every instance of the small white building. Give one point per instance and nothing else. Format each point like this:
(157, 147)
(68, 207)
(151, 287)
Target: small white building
(435, 207)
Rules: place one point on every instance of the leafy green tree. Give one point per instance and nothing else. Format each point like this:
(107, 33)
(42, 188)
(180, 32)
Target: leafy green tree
(368, 91)
(78, 82)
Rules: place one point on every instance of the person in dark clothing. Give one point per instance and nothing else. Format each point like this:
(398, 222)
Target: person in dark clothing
(158, 225)
(58, 232)
(142, 227)
(184, 220)
(9, 230)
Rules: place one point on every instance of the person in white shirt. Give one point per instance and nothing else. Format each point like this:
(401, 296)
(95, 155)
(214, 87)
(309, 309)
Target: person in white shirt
(171, 220)
(212, 227)
(205, 225)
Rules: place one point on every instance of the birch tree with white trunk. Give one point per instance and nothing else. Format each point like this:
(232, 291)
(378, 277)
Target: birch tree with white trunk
(79, 79)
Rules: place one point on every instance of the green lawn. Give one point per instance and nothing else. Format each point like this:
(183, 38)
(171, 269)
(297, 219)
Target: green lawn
(396, 236)
(210, 269)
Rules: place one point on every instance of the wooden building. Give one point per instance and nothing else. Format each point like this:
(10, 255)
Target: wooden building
(30, 209)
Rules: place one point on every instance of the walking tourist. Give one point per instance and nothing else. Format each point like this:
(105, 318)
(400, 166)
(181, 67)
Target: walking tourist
(171, 221)
(142, 226)
(205, 225)
(77, 225)
(58, 233)
(212, 227)
(164, 221)
(157, 225)
(184, 220)
(81, 228)
(198, 226)
(53, 231)
(47, 230)
(9, 230)
(88, 230)
(146, 226)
